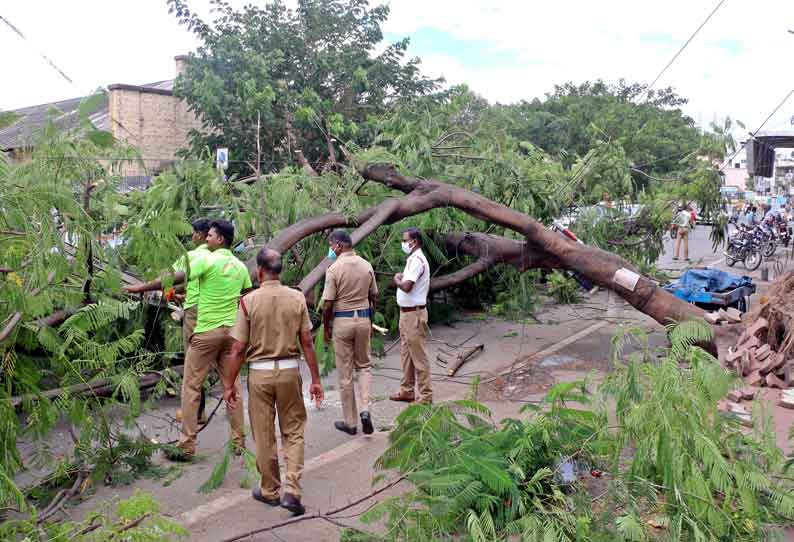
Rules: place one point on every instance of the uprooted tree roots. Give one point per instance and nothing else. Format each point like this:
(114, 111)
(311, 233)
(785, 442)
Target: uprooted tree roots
(779, 313)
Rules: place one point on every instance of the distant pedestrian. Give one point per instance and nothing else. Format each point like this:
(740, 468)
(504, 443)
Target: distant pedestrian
(749, 217)
(348, 302)
(683, 221)
(271, 321)
(413, 285)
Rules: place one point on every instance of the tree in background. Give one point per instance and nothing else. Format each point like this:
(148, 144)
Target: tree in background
(649, 125)
(300, 77)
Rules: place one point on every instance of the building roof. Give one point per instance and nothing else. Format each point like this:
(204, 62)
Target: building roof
(31, 119)
(761, 151)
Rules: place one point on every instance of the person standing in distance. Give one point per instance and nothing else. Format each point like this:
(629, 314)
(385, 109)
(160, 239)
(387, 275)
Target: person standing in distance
(348, 303)
(413, 285)
(683, 220)
(270, 322)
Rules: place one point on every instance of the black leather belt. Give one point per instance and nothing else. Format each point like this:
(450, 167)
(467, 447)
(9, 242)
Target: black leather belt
(362, 313)
(412, 309)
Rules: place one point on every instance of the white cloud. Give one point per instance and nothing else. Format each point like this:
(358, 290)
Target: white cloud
(99, 42)
(579, 40)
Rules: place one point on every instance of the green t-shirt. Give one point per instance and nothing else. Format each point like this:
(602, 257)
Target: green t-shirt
(192, 286)
(221, 277)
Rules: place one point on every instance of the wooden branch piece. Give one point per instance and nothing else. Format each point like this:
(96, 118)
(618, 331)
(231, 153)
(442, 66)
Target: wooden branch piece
(454, 360)
(99, 388)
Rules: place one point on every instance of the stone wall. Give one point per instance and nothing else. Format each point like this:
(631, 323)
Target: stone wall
(153, 121)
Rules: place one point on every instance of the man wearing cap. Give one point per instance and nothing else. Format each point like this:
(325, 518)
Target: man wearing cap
(222, 278)
(201, 228)
(348, 299)
(413, 285)
(271, 321)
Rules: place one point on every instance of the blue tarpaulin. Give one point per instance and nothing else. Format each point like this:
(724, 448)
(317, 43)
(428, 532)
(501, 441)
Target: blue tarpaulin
(694, 283)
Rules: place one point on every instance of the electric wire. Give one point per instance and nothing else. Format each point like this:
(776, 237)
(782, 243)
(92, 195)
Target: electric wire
(686, 44)
(18, 32)
(753, 134)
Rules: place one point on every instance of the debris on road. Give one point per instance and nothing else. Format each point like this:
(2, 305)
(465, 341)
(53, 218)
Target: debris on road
(454, 359)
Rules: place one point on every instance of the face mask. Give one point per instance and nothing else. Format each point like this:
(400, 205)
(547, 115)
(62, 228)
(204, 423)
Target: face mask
(406, 246)
(331, 254)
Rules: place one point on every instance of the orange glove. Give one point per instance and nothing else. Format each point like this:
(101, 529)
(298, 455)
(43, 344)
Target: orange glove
(169, 294)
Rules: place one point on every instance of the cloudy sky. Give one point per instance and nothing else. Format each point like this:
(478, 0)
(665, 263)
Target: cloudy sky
(506, 50)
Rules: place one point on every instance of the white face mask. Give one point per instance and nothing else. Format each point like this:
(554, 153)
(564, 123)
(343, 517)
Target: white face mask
(406, 246)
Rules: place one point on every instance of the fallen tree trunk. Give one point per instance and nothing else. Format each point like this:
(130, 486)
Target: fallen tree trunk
(541, 248)
(103, 387)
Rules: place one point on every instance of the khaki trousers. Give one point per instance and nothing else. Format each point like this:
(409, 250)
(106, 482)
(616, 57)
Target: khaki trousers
(351, 347)
(682, 237)
(279, 390)
(188, 325)
(413, 355)
(206, 351)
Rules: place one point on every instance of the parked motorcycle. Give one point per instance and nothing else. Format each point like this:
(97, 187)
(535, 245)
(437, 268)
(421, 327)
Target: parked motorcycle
(744, 247)
(767, 239)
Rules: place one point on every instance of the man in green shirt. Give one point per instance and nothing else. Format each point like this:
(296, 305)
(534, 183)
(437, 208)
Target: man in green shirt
(201, 228)
(222, 278)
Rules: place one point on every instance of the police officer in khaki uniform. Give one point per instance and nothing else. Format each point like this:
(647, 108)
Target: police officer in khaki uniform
(348, 300)
(413, 285)
(270, 322)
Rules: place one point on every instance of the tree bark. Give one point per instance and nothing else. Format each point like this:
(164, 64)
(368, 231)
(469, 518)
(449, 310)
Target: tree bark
(541, 248)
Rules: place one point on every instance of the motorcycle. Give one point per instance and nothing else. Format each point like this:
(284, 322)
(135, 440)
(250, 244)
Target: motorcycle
(768, 240)
(744, 247)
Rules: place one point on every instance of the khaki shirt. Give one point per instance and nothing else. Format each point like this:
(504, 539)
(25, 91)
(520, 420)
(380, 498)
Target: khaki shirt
(349, 282)
(275, 316)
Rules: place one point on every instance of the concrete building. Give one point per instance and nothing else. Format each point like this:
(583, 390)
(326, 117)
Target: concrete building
(735, 172)
(147, 117)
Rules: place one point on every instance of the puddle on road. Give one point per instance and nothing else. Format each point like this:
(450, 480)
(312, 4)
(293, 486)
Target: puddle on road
(556, 361)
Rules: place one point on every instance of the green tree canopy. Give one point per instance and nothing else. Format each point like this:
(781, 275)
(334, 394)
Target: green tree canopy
(649, 125)
(306, 75)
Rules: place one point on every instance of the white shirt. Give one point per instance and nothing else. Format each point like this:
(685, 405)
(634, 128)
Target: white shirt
(417, 271)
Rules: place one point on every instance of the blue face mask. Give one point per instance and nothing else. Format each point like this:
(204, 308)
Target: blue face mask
(331, 254)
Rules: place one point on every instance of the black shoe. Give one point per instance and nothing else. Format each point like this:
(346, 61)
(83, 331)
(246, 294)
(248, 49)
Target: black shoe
(256, 493)
(366, 423)
(293, 504)
(345, 429)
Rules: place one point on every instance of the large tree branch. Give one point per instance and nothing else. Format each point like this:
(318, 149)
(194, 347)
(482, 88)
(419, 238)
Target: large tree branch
(597, 265)
(15, 318)
(9, 327)
(382, 214)
(453, 279)
(542, 247)
(307, 167)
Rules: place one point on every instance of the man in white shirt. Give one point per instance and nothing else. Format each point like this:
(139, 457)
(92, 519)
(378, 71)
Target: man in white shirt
(413, 285)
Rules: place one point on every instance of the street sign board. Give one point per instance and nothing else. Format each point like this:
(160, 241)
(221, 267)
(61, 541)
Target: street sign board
(222, 158)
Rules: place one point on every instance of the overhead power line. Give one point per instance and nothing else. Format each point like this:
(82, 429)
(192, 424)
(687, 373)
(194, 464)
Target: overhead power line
(42, 55)
(681, 50)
